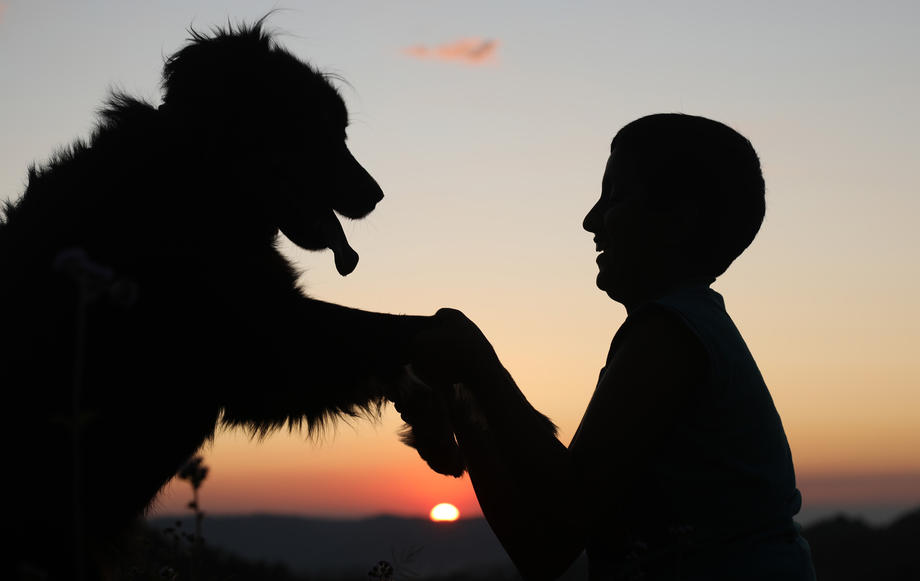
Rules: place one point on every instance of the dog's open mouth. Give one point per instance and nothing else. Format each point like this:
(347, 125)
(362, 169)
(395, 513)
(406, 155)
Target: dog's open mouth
(322, 230)
(313, 225)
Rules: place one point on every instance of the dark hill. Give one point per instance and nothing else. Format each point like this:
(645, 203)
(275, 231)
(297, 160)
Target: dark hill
(844, 548)
(328, 548)
(847, 549)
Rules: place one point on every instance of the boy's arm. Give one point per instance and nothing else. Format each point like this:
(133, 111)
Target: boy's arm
(522, 474)
(539, 497)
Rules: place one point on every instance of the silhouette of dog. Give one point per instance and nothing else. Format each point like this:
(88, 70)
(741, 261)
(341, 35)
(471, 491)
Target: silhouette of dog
(145, 301)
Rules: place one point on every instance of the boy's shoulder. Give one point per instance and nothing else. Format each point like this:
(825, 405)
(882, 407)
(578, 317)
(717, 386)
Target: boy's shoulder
(654, 335)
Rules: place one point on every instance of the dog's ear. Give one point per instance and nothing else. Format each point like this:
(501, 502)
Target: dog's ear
(213, 68)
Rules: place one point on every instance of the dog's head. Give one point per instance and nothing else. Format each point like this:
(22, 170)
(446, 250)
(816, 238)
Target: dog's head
(275, 128)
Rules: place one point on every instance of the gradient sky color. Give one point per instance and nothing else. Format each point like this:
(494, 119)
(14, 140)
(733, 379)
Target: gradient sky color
(489, 165)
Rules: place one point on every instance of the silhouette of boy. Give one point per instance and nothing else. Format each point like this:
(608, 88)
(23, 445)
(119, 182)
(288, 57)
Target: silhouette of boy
(680, 468)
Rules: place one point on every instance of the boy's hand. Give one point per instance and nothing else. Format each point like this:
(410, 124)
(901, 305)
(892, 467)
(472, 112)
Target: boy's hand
(453, 350)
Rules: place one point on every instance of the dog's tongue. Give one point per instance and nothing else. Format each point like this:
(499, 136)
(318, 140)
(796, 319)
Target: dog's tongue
(346, 259)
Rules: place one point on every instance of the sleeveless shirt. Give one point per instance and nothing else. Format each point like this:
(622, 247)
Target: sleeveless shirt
(723, 476)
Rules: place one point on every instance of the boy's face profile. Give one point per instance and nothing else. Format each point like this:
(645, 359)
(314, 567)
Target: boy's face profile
(636, 241)
(682, 197)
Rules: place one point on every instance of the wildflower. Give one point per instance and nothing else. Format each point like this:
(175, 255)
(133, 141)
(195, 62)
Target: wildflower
(382, 571)
(194, 471)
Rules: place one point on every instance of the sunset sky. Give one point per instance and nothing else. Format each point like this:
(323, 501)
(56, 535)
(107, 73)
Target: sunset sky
(488, 126)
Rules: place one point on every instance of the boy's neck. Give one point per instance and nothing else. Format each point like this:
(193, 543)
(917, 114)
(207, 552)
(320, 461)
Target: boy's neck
(664, 289)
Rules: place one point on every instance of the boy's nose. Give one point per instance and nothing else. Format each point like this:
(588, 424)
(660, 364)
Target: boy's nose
(590, 223)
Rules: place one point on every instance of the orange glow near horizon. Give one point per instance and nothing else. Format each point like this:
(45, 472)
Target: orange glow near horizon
(366, 471)
(356, 470)
(444, 512)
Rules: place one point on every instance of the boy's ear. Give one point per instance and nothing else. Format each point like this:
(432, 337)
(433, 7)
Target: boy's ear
(691, 218)
(682, 224)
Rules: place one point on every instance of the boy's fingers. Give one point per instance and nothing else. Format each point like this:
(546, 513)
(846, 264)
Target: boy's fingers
(434, 354)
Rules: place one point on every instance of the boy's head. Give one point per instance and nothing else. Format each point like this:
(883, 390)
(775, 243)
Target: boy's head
(682, 197)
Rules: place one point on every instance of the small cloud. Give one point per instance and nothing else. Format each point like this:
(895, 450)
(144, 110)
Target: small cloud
(474, 51)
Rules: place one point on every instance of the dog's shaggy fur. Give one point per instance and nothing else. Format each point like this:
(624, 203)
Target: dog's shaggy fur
(144, 299)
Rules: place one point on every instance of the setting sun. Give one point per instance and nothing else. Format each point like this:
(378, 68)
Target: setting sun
(444, 512)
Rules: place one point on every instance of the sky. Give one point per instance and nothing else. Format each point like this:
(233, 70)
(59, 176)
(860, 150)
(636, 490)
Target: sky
(488, 126)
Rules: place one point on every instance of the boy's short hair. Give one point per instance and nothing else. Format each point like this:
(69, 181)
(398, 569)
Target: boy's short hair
(705, 168)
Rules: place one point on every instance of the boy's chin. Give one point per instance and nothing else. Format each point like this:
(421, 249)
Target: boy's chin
(608, 283)
(623, 287)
